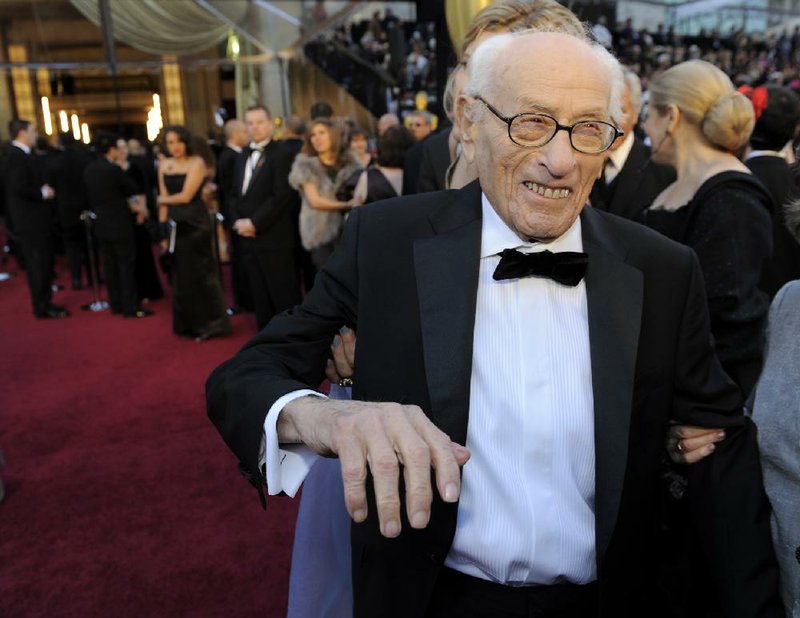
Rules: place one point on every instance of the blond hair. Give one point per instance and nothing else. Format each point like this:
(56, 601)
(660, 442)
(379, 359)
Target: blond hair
(516, 15)
(706, 98)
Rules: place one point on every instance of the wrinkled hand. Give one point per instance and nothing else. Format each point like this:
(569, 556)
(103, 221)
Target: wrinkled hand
(244, 227)
(343, 352)
(382, 438)
(687, 444)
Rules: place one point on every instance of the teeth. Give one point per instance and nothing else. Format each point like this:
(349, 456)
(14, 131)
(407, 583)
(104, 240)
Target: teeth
(546, 192)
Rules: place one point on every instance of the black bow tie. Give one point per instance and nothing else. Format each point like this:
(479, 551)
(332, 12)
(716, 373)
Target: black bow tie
(567, 267)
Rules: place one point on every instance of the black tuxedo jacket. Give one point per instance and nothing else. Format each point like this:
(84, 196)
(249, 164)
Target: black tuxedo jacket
(635, 187)
(30, 214)
(406, 277)
(435, 161)
(226, 175)
(108, 188)
(268, 199)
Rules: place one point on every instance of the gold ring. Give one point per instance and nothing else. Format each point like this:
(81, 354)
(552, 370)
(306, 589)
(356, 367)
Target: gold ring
(679, 445)
(345, 382)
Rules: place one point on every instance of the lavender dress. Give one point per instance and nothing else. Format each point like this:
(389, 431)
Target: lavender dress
(320, 583)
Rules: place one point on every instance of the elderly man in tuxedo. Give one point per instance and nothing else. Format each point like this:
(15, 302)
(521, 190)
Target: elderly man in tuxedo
(554, 341)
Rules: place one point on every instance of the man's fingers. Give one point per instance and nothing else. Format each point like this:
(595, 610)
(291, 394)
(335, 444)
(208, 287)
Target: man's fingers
(415, 455)
(691, 431)
(342, 366)
(349, 346)
(330, 372)
(446, 456)
(385, 468)
(696, 455)
(354, 475)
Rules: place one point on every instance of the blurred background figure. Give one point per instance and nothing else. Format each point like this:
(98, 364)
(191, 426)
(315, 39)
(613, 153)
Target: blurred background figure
(777, 112)
(359, 147)
(198, 307)
(236, 139)
(385, 179)
(32, 211)
(318, 172)
(148, 283)
(66, 176)
(113, 196)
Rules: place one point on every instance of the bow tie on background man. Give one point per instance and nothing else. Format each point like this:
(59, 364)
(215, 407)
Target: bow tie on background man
(566, 267)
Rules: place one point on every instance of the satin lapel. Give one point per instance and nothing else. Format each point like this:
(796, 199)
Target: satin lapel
(446, 267)
(614, 294)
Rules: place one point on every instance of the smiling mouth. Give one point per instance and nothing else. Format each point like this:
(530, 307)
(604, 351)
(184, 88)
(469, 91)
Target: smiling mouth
(556, 194)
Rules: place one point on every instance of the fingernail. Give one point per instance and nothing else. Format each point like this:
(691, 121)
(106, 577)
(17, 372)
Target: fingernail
(336, 342)
(451, 492)
(710, 449)
(419, 519)
(359, 516)
(344, 330)
(392, 528)
(720, 435)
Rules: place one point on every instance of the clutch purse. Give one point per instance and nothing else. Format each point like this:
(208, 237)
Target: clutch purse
(166, 260)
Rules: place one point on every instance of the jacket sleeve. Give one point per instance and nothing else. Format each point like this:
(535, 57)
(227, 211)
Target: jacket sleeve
(288, 355)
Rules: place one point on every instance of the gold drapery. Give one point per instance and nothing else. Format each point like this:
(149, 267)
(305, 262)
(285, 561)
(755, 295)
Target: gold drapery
(158, 27)
(458, 14)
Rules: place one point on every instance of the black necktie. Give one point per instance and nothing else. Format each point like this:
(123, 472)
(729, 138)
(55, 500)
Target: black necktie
(567, 267)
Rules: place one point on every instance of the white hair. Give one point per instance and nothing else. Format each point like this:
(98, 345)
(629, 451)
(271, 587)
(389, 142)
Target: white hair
(482, 68)
(634, 85)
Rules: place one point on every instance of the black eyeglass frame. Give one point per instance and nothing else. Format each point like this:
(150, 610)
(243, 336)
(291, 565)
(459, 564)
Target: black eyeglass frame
(559, 127)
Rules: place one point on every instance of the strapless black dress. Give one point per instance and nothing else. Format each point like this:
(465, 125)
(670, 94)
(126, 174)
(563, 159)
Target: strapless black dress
(198, 305)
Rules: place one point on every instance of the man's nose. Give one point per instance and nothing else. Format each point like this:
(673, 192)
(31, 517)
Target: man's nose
(559, 154)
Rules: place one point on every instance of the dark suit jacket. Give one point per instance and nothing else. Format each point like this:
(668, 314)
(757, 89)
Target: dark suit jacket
(784, 266)
(635, 187)
(30, 214)
(406, 276)
(411, 166)
(108, 188)
(268, 199)
(226, 175)
(435, 161)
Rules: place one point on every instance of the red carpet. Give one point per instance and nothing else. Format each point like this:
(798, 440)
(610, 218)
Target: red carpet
(122, 499)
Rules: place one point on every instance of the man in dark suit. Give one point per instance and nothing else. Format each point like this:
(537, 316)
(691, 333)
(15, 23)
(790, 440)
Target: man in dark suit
(558, 371)
(109, 189)
(262, 214)
(31, 209)
(66, 174)
(420, 126)
(434, 163)
(630, 181)
(235, 141)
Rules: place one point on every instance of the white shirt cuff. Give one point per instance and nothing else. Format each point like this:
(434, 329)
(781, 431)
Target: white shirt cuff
(287, 464)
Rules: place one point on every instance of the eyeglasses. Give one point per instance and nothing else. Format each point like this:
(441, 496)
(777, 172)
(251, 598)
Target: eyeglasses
(531, 130)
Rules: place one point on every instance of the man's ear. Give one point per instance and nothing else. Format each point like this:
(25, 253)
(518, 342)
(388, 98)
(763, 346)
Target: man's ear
(466, 127)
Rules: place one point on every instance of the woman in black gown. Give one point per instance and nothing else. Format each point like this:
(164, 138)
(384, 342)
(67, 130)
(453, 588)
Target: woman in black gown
(198, 306)
(696, 121)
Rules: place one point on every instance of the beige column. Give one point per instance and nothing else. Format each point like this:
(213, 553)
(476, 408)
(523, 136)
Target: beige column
(173, 91)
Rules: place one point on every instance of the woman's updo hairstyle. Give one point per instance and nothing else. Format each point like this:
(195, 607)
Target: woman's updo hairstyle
(706, 98)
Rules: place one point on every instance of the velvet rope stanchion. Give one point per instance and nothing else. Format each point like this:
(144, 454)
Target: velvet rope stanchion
(97, 305)
(218, 219)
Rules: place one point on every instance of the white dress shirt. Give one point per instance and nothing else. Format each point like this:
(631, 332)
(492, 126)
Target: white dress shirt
(617, 158)
(252, 162)
(526, 511)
